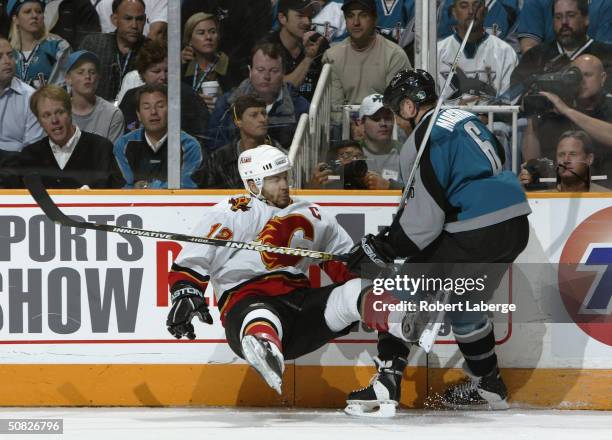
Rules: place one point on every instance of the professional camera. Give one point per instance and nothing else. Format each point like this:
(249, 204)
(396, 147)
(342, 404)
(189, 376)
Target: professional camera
(541, 170)
(350, 175)
(564, 83)
(314, 37)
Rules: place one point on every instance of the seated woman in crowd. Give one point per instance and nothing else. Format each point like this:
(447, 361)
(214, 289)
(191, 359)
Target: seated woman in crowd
(205, 63)
(152, 68)
(40, 56)
(90, 112)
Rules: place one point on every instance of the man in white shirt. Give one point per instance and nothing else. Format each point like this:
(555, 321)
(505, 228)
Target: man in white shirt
(18, 125)
(67, 157)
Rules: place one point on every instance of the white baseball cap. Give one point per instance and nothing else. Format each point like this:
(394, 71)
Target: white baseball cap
(370, 105)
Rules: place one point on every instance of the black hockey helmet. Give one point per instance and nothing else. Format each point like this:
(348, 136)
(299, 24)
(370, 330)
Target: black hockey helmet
(414, 84)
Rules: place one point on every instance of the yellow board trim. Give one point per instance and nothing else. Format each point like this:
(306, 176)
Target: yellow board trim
(303, 386)
(299, 192)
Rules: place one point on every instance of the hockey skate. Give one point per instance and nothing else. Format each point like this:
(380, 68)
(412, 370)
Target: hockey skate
(381, 397)
(266, 359)
(487, 392)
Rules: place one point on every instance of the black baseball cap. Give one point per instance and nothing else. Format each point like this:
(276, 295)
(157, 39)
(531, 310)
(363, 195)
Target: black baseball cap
(368, 5)
(299, 5)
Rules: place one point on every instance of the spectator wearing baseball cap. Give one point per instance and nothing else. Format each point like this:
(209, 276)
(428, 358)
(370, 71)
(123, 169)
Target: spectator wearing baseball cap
(39, 55)
(365, 62)
(380, 150)
(302, 47)
(365, 5)
(376, 149)
(90, 112)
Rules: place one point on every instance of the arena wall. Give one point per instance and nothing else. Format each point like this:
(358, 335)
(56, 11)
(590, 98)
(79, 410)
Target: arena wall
(82, 314)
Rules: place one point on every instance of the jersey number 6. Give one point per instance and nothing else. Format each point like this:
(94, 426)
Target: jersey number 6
(487, 148)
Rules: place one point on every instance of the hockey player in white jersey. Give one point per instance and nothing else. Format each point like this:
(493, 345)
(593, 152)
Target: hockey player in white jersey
(268, 308)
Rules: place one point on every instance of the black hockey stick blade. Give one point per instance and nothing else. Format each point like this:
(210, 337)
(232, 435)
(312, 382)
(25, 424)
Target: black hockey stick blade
(36, 188)
(33, 182)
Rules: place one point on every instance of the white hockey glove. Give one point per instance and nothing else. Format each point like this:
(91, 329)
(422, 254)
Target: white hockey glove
(187, 302)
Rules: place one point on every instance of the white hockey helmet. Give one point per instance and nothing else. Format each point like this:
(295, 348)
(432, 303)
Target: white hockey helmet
(257, 163)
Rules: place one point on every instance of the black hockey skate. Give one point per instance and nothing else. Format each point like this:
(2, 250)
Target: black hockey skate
(266, 358)
(487, 392)
(381, 397)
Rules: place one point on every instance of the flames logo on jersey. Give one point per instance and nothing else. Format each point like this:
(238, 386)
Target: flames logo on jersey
(240, 203)
(279, 231)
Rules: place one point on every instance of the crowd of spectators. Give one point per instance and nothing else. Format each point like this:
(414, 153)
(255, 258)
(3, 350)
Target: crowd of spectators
(84, 101)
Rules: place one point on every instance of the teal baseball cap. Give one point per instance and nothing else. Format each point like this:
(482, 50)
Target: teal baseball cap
(13, 6)
(81, 55)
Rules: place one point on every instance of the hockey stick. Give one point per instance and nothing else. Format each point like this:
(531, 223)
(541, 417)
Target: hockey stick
(34, 185)
(430, 333)
(434, 116)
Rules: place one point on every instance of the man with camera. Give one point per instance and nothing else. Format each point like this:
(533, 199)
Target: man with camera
(574, 157)
(589, 110)
(346, 170)
(570, 26)
(302, 47)
(380, 170)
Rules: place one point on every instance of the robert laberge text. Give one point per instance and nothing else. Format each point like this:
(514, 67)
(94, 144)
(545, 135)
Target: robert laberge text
(426, 306)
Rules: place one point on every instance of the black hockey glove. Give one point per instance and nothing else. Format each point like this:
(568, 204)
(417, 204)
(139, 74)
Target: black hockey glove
(372, 254)
(187, 302)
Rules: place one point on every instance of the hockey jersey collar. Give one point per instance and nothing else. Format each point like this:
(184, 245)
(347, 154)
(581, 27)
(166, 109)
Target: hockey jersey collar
(471, 48)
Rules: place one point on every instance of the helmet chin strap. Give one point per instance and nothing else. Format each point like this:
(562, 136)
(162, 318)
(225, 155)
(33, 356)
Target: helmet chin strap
(409, 120)
(259, 196)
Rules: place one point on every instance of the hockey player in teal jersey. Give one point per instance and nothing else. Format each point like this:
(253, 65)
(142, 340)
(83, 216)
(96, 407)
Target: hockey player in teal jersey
(464, 213)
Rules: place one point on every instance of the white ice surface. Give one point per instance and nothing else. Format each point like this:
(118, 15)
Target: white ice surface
(284, 424)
